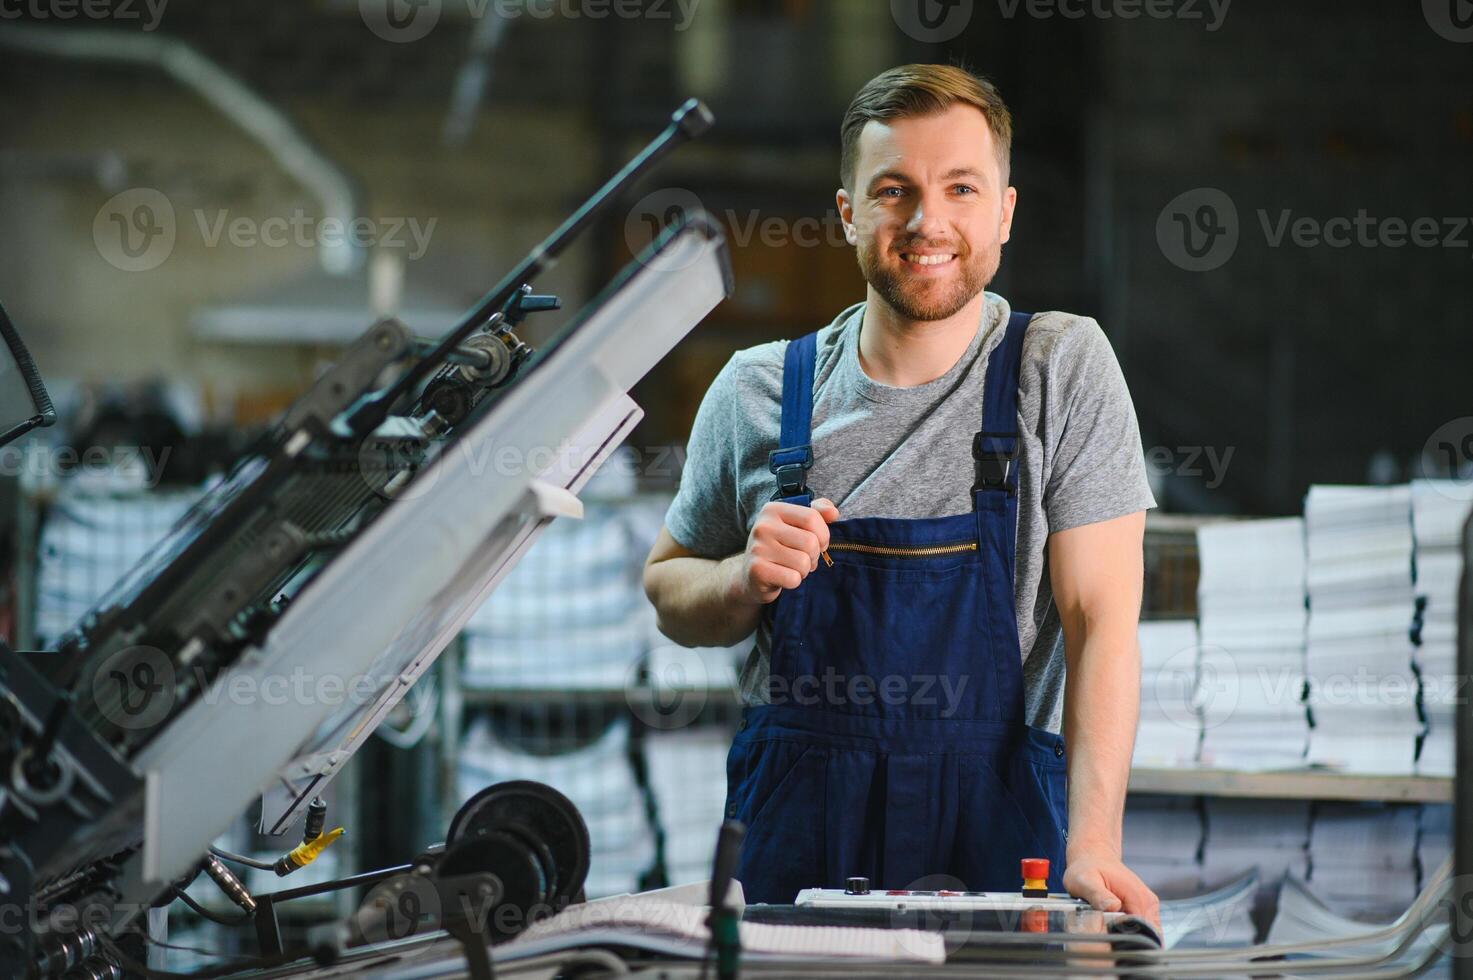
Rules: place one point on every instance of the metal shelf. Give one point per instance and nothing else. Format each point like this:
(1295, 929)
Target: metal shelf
(1297, 784)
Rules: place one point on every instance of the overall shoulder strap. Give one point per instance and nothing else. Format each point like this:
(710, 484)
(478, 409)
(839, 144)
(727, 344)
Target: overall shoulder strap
(995, 447)
(792, 459)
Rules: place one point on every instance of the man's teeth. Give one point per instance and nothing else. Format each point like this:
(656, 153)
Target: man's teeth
(927, 259)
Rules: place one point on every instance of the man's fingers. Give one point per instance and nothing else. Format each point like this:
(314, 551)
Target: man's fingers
(826, 509)
(799, 539)
(1138, 899)
(1093, 889)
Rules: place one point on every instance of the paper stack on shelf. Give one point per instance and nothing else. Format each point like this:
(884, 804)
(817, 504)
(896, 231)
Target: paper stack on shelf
(1271, 836)
(1362, 858)
(571, 614)
(90, 540)
(1250, 598)
(1440, 508)
(1170, 726)
(1434, 839)
(1162, 842)
(597, 777)
(687, 774)
(1363, 691)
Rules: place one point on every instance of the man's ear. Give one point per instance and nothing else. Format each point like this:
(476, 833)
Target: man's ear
(1009, 202)
(846, 215)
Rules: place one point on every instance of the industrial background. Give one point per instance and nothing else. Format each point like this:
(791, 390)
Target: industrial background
(1267, 207)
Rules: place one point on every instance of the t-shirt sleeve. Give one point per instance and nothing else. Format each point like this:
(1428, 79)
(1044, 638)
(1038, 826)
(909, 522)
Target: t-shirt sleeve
(1098, 470)
(705, 517)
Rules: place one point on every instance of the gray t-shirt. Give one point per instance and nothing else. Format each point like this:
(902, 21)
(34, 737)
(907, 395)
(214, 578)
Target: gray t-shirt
(883, 451)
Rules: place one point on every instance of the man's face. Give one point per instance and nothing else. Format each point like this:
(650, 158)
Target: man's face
(929, 212)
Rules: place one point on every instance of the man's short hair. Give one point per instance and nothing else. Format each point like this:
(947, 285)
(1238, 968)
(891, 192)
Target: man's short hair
(923, 90)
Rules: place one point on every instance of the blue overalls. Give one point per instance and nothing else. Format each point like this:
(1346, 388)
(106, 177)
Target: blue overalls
(896, 746)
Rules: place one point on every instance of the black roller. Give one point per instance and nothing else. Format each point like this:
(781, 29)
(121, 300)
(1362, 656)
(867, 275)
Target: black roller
(544, 819)
(524, 887)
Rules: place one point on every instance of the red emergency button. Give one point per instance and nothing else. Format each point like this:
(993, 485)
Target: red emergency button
(1035, 877)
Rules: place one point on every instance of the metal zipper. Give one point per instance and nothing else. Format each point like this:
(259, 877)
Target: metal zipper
(874, 549)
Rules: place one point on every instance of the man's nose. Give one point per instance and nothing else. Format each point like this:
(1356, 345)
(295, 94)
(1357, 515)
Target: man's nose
(928, 218)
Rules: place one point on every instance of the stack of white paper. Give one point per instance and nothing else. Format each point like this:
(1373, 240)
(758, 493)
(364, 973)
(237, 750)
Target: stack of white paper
(89, 541)
(572, 613)
(1434, 839)
(1363, 693)
(1162, 843)
(1362, 858)
(1440, 509)
(687, 774)
(1269, 836)
(1170, 726)
(1250, 597)
(596, 777)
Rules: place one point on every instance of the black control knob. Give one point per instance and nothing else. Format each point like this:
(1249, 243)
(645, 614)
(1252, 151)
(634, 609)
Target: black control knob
(856, 886)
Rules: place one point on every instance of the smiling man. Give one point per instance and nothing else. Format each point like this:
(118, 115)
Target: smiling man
(925, 511)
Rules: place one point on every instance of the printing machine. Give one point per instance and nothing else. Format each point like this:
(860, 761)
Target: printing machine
(353, 542)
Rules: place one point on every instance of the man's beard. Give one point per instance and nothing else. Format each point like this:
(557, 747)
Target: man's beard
(916, 298)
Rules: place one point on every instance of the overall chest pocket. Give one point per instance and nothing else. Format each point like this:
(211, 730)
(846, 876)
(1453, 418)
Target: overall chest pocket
(895, 638)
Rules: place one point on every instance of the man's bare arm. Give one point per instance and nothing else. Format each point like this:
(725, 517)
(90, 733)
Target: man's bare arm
(717, 602)
(1097, 571)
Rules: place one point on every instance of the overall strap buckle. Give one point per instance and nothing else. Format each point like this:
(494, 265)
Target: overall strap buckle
(791, 468)
(993, 454)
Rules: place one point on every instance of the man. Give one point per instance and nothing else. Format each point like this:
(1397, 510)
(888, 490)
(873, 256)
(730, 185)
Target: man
(905, 696)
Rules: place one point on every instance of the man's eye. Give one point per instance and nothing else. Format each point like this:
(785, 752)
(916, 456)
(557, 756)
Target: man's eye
(887, 192)
(965, 189)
